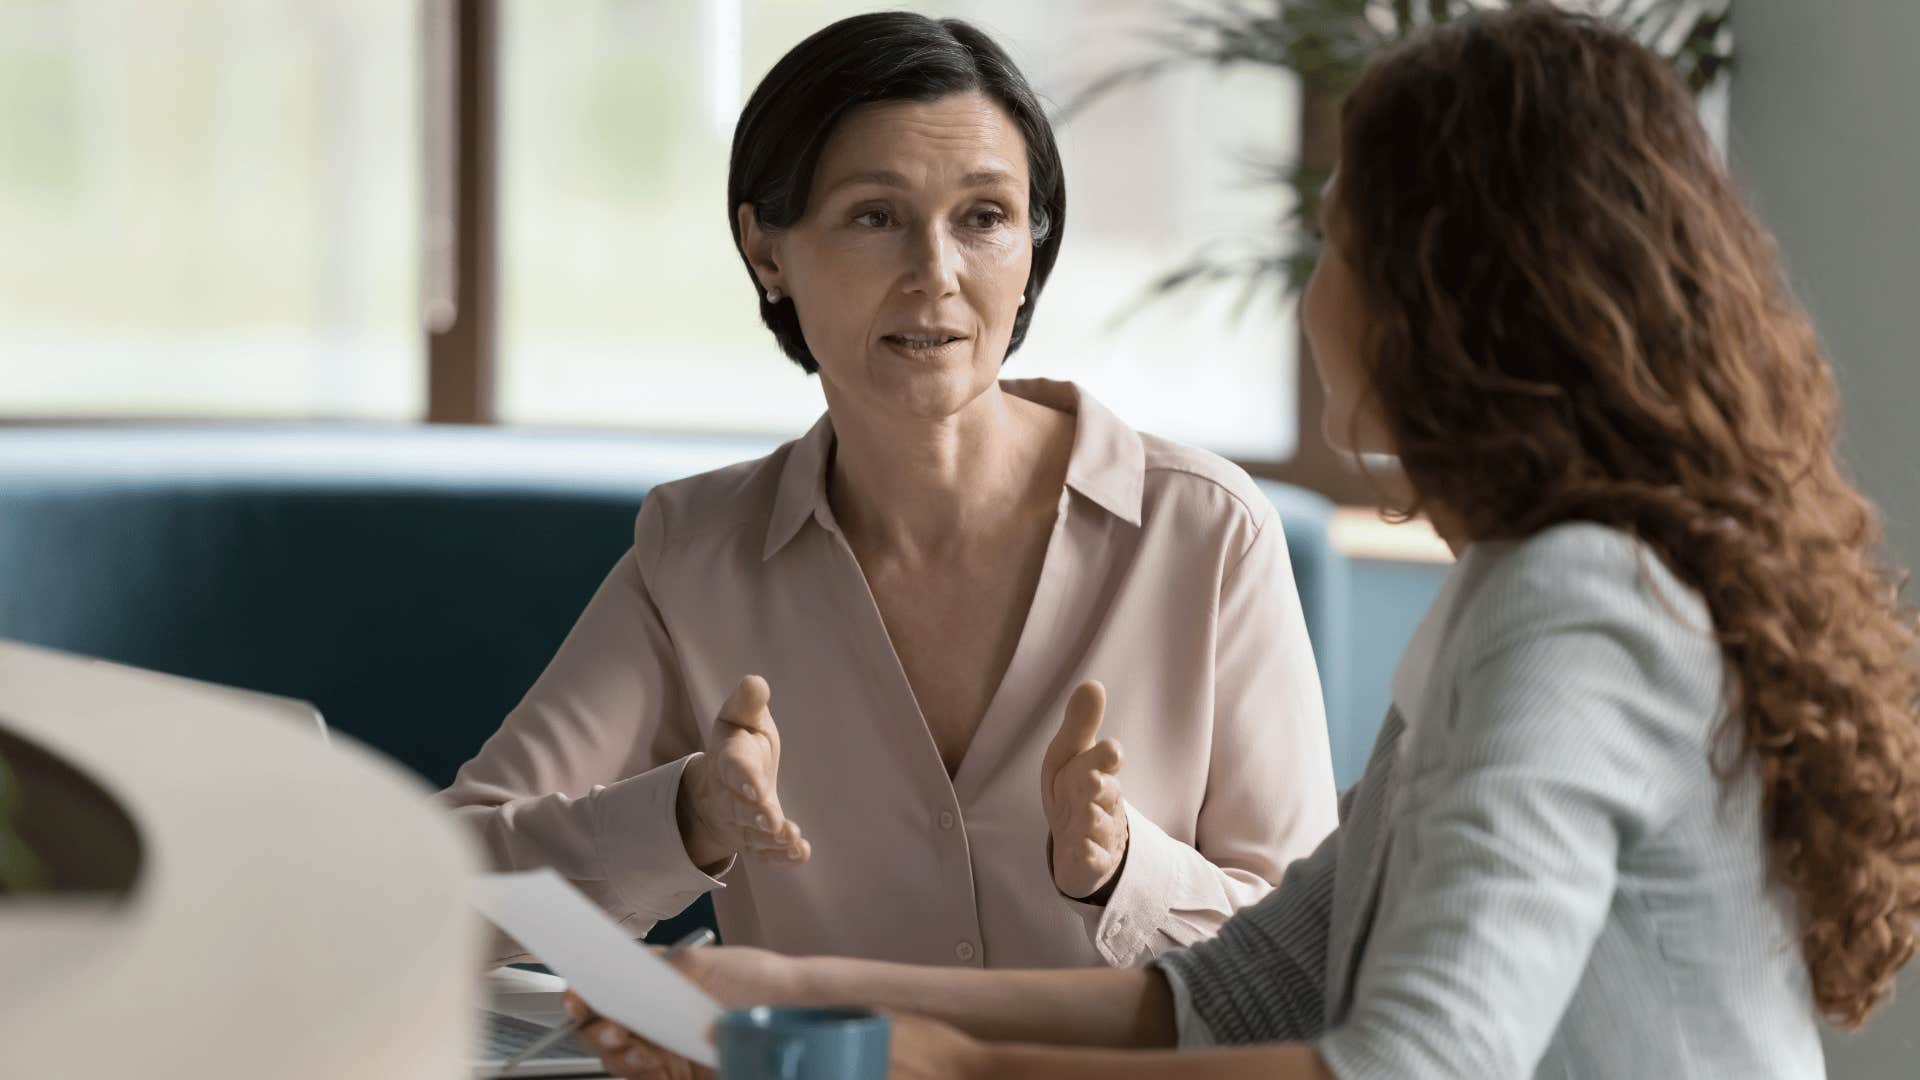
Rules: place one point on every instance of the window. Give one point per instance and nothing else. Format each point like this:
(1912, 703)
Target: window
(623, 303)
(210, 208)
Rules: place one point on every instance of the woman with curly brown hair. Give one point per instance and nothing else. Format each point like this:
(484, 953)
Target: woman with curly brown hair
(1648, 801)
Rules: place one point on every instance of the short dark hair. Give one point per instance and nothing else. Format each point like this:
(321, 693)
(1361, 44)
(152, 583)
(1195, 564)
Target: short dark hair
(862, 60)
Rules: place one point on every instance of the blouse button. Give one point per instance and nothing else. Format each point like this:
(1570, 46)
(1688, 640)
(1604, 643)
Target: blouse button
(964, 951)
(946, 819)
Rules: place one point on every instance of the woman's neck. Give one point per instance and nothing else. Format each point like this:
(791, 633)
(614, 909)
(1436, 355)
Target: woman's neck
(925, 488)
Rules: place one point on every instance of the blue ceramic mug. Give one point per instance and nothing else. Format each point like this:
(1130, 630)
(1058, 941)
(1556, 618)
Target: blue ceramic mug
(782, 1043)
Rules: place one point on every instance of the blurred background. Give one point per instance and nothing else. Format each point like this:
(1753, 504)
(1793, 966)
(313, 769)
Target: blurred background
(509, 214)
(248, 209)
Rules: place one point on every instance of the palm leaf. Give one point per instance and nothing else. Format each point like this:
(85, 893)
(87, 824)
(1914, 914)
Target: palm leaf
(1327, 44)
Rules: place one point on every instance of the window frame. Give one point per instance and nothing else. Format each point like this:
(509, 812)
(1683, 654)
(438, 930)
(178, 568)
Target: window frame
(462, 347)
(461, 69)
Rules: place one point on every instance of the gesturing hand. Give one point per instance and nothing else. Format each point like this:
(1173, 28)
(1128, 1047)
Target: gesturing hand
(729, 798)
(1080, 789)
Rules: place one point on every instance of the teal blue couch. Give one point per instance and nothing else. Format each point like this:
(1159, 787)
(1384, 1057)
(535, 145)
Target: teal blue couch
(411, 582)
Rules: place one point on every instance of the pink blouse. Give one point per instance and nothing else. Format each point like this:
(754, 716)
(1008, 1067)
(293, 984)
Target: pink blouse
(1166, 578)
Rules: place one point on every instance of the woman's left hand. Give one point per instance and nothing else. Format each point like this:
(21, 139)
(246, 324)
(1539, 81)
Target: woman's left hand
(1080, 792)
(922, 1049)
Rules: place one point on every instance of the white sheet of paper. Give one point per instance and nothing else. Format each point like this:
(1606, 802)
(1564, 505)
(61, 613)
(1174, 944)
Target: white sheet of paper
(619, 977)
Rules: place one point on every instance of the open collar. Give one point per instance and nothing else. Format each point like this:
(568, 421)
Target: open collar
(1107, 465)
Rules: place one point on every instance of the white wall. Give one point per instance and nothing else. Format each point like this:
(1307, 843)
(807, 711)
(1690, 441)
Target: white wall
(1826, 141)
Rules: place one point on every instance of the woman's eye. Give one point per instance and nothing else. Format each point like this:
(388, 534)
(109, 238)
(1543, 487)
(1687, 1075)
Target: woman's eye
(988, 219)
(874, 219)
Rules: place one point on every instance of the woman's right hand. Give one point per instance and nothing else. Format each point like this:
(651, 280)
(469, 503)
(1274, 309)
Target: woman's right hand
(729, 799)
(734, 977)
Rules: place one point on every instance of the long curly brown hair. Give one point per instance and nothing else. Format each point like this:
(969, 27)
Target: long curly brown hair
(1573, 316)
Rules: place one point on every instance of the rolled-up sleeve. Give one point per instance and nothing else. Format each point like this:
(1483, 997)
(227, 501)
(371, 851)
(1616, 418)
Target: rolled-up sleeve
(1571, 734)
(1263, 978)
(1269, 792)
(583, 776)
(1192, 1032)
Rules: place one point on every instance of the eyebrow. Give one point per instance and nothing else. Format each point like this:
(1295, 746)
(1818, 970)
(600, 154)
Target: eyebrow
(888, 178)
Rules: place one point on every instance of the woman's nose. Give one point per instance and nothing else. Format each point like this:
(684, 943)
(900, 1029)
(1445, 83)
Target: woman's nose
(935, 269)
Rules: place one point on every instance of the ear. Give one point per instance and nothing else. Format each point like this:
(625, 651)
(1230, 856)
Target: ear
(762, 248)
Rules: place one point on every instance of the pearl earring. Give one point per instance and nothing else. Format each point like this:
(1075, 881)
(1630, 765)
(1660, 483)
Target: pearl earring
(773, 296)
(1023, 301)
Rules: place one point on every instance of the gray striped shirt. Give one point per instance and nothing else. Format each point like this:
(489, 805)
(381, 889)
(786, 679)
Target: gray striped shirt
(1548, 879)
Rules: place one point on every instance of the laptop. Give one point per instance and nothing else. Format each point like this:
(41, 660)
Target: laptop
(502, 1035)
(522, 1006)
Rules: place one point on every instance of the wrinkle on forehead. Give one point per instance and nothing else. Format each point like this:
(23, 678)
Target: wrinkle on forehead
(960, 133)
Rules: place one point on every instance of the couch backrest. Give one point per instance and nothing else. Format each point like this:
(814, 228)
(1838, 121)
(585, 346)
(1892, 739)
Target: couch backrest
(414, 619)
(414, 606)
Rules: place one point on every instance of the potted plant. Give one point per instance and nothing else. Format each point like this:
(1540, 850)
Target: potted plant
(1327, 44)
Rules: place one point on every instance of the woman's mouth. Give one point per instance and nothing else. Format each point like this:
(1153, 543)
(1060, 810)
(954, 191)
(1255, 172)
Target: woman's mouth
(922, 346)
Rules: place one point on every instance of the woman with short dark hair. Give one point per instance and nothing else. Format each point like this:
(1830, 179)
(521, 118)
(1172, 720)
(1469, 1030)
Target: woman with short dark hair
(858, 62)
(1648, 800)
(938, 590)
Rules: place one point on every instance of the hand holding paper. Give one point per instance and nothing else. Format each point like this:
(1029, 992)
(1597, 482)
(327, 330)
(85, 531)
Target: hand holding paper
(621, 979)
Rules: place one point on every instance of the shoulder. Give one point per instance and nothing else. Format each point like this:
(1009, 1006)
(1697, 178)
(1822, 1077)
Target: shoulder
(1579, 573)
(1201, 488)
(1584, 604)
(708, 506)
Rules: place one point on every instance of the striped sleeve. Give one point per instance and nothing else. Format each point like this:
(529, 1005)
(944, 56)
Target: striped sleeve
(1263, 979)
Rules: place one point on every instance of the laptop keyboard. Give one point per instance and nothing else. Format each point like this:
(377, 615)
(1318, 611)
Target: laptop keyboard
(506, 1036)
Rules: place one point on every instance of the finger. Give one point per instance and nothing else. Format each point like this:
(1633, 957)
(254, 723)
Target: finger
(644, 1062)
(794, 840)
(1109, 829)
(746, 707)
(577, 1010)
(761, 814)
(1105, 755)
(607, 1038)
(763, 823)
(1078, 728)
(1107, 794)
(641, 1059)
(799, 850)
(1077, 785)
(774, 848)
(617, 1064)
(1104, 826)
(790, 846)
(1081, 782)
(1081, 869)
(1088, 820)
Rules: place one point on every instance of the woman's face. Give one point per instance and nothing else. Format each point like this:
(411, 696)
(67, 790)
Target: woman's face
(1334, 322)
(910, 264)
